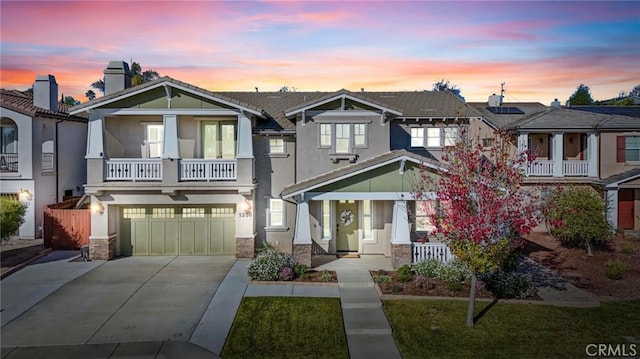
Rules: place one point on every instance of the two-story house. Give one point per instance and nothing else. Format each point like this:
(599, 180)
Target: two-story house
(41, 151)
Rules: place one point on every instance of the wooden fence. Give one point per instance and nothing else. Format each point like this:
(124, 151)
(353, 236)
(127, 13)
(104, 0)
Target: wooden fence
(66, 228)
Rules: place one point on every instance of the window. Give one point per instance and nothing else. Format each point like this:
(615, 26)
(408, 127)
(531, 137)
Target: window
(129, 213)
(154, 136)
(222, 212)
(326, 220)
(325, 135)
(219, 139)
(417, 137)
(450, 136)
(424, 209)
(433, 137)
(488, 142)
(360, 135)
(366, 220)
(631, 149)
(162, 213)
(276, 212)
(9, 139)
(276, 145)
(343, 135)
(193, 213)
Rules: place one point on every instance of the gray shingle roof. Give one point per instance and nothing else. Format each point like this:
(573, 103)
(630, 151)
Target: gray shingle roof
(631, 111)
(507, 121)
(621, 176)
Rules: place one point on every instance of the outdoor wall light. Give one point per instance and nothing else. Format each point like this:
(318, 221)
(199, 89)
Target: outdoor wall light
(25, 195)
(97, 208)
(245, 208)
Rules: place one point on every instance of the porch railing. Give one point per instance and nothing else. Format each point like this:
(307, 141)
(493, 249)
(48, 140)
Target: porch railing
(9, 162)
(575, 168)
(540, 168)
(133, 169)
(429, 250)
(207, 170)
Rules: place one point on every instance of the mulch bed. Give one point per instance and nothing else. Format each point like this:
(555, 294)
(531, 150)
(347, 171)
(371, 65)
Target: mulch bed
(439, 290)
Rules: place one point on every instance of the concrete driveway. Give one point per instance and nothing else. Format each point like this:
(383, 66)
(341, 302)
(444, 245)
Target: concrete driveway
(131, 299)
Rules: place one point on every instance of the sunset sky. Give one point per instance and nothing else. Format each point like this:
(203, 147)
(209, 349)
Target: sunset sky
(541, 50)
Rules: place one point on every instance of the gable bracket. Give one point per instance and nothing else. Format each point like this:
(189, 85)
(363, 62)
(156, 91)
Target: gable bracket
(382, 117)
(167, 91)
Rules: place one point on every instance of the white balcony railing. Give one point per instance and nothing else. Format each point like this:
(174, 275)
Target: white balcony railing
(47, 162)
(540, 168)
(431, 250)
(575, 168)
(9, 162)
(208, 169)
(133, 169)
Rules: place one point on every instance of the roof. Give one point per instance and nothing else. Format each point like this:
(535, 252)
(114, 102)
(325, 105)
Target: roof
(631, 111)
(22, 102)
(503, 121)
(356, 168)
(613, 181)
(560, 118)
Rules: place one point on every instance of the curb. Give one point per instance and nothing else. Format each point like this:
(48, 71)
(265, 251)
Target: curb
(25, 263)
(293, 283)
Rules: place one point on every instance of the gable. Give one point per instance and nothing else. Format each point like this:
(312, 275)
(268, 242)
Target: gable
(387, 178)
(156, 98)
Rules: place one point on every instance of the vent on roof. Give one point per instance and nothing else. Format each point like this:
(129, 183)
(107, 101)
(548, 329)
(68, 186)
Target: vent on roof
(505, 110)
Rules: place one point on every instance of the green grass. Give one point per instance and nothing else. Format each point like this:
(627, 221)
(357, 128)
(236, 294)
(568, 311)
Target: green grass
(436, 329)
(287, 327)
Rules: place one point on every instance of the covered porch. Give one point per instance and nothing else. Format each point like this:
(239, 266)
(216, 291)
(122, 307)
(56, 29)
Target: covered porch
(364, 208)
(561, 154)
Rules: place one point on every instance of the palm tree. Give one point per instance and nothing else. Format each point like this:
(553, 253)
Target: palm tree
(90, 95)
(98, 85)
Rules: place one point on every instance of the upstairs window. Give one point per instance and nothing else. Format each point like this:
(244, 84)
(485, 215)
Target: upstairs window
(325, 135)
(417, 136)
(360, 135)
(218, 139)
(154, 136)
(343, 136)
(628, 149)
(450, 136)
(433, 137)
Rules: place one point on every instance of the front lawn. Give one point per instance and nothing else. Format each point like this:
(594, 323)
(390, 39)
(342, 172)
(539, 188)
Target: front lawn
(436, 329)
(287, 327)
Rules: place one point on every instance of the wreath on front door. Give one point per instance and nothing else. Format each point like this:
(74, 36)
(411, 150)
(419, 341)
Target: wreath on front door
(347, 217)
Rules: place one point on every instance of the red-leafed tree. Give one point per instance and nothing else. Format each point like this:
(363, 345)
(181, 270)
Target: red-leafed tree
(482, 206)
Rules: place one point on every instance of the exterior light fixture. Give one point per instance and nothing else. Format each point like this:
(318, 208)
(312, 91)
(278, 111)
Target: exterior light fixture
(97, 208)
(245, 208)
(25, 195)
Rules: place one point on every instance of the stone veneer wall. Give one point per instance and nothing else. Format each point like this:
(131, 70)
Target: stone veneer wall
(102, 248)
(400, 254)
(302, 254)
(245, 247)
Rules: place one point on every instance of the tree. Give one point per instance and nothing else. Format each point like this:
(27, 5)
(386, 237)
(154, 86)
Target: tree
(482, 206)
(90, 95)
(287, 89)
(445, 85)
(635, 91)
(69, 100)
(11, 216)
(98, 85)
(582, 96)
(577, 216)
(138, 77)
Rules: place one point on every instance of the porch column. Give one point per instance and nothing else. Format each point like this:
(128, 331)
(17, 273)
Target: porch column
(170, 140)
(612, 206)
(400, 235)
(95, 138)
(302, 236)
(557, 156)
(245, 226)
(523, 145)
(592, 154)
(102, 246)
(245, 144)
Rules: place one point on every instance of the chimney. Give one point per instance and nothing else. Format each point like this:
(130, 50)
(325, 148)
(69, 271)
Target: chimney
(117, 77)
(45, 92)
(555, 103)
(495, 101)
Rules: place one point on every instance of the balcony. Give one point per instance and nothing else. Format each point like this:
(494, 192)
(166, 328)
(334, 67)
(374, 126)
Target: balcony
(208, 170)
(570, 168)
(146, 169)
(8, 162)
(133, 169)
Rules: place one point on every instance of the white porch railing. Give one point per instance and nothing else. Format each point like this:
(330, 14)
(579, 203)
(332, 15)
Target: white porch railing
(133, 169)
(207, 170)
(575, 168)
(429, 250)
(540, 168)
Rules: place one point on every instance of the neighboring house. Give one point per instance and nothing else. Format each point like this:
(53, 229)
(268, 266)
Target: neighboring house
(596, 146)
(42, 151)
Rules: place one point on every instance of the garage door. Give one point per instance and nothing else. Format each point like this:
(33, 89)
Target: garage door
(198, 230)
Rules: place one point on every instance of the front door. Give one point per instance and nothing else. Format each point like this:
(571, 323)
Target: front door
(347, 226)
(625, 208)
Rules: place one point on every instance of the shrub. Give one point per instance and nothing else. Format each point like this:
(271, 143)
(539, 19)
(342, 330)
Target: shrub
(404, 273)
(510, 285)
(268, 263)
(326, 276)
(305, 276)
(453, 272)
(381, 278)
(615, 268)
(299, 269)
(627, 248)
(428, 267)
(285, 273)
(577, 216)
(424, 282)
(11, 216)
